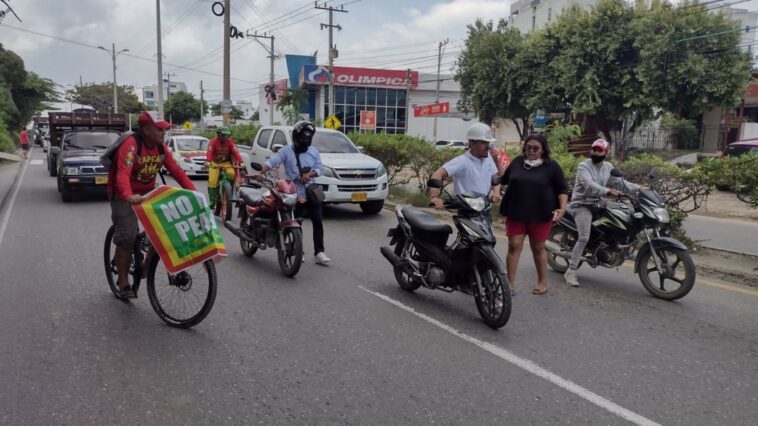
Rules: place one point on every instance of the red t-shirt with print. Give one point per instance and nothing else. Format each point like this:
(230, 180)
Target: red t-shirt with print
(129, 176)
(219, 152)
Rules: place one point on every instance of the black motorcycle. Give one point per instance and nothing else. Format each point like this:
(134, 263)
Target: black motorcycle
(421, 256)
(663, 264)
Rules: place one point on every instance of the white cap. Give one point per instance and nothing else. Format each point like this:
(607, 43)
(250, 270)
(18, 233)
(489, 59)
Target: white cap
(480, 132)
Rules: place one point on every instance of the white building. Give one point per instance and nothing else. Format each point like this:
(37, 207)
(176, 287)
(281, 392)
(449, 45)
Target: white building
(150, 93)
(532, 15)
(246, 108)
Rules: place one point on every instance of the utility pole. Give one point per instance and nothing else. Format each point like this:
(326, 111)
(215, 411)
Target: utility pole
(168, 91)
(272, 56)
(160, 58)
(227, 60)
(332, 50)
(113, 54)
(439, 65)
(202, 112)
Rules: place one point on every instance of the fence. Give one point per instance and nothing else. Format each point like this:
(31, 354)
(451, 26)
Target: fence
(657, 138)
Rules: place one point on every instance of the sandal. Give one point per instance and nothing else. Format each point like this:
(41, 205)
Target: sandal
(539, 292)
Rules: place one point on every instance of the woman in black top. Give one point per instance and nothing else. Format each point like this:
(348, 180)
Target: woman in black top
(535, 198)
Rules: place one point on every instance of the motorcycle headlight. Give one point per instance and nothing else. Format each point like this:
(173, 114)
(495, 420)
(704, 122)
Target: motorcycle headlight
(328, 172)
(381, 171)
(289, 199)
(476, 204)
(661, 214)
(72, 170)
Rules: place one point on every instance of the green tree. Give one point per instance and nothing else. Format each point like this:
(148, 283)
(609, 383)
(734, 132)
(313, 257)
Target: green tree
(184, 107)
(291, 103)
(235, 114)
(493, 81)
(99, 96)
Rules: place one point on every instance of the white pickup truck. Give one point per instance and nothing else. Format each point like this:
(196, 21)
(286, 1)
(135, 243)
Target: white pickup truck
(348, 175)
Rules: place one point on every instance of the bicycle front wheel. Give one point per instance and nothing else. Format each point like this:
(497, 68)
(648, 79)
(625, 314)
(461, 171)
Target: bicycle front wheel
(183, 299)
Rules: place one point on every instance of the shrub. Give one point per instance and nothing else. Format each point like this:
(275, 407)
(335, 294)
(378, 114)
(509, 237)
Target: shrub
(737, 173)
(391, 150)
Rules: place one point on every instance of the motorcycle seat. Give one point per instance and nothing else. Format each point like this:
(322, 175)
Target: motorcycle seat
(251, 196)
(423, 221)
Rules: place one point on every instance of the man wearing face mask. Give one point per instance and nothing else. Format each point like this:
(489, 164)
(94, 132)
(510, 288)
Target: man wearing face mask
(593, 179)
(299, 156)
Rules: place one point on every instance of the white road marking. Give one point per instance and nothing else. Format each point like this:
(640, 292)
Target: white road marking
(526, 365)
(9, 207)
(36, 162)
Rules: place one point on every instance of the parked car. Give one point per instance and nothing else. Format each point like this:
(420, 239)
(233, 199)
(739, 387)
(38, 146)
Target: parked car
(442, 144)
(190, 153)
(458, 145)
(348, 175)
(78, 163)
(735, 149)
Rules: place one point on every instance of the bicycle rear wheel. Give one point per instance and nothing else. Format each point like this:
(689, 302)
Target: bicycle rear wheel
(184, 299)
(111, 273)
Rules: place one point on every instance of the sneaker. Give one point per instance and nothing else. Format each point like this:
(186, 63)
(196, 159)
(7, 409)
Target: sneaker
(321, 259)
(571, 278)
(126, 293)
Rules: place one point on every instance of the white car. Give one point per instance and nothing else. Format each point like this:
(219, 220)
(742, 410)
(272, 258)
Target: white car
(190, 152)
(442, 144)
(348, 175)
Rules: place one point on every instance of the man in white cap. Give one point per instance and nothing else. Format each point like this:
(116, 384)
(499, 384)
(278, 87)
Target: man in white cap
(593, 178)
(473, 171)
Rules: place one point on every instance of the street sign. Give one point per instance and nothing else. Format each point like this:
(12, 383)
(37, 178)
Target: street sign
(332, 122)
(187, 125)
(431, 109)
(540, 118)
(368, 120)
(226, 106)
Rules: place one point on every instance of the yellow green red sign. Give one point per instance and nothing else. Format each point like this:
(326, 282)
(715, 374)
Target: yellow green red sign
(180, 226)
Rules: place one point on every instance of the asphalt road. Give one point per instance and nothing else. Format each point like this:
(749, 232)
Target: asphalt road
(345, 345)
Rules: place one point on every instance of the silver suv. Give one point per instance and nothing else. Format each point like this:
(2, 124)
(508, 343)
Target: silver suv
(348, 176)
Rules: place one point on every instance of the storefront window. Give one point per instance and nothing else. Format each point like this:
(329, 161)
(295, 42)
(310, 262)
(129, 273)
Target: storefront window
(389, 105)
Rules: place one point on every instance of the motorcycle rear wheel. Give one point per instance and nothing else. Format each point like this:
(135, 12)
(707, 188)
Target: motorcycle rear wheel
(494, 305)
(560, 239)
(679, 269)
(404, 280)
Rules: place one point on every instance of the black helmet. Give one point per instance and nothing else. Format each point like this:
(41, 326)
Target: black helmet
(302, 135)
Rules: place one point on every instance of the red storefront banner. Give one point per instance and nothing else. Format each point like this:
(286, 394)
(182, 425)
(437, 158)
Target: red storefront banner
(431, 109)
(368, 120)
(347, 76)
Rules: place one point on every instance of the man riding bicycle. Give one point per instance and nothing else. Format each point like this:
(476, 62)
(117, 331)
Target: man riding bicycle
(136, 163)
(222, 154)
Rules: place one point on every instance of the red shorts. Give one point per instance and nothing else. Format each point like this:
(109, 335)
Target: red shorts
(537, 231)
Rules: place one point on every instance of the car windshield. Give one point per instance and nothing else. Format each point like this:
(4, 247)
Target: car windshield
(458, 143)
(333, 143)
(90, 140)
(442, 143)
(192, 144)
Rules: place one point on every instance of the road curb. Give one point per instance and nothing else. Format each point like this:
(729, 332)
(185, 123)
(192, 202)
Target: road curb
(19, 165)
(742, 268)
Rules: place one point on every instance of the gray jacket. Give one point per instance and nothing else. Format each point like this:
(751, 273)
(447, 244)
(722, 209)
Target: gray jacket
(592, 183)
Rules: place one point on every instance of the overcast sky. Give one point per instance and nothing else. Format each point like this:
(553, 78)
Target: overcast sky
(375, 33)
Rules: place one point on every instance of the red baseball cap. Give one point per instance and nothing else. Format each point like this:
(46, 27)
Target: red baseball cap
(601, 144)
(152, 117)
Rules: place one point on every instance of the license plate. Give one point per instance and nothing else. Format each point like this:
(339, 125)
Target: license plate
(101, 180)
(359, 197)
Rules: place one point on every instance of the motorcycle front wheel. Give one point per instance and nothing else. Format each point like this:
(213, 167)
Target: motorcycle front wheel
(677, 277)
(248, 248)
(290, 253)
(493, 298)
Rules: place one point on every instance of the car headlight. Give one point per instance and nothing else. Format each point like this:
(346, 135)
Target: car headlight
(328, 172)
(661, 214)
(187, 160)
(381, 171)
(289, 199)
(72, 170)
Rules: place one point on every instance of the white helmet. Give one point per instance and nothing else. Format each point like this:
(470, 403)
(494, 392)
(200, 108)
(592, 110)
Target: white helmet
(480, 132)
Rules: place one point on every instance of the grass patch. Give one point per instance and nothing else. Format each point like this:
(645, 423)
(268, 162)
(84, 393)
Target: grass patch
(404, 196)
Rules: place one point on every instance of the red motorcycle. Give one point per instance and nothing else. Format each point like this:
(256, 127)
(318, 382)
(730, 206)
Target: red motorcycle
(267, 219)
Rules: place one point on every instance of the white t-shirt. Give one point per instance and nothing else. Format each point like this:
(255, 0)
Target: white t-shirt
(471, 174)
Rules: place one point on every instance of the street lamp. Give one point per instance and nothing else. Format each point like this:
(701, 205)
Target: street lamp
(113, 54)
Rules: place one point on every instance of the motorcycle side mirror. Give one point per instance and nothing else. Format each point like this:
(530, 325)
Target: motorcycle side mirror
(616, 173)
(434, 183)
(256, 166)
(653, 174)
(276, 147)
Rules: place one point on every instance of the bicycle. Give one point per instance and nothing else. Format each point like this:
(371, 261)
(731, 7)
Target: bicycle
(145, 263)
(226, 194)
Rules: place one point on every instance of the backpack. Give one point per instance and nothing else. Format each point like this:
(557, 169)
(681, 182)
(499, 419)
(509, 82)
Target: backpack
(107, 158)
